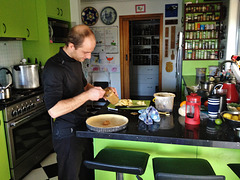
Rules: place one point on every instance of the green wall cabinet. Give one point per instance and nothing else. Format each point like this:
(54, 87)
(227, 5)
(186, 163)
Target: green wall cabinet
(4, 164)
(30, 20)
(11, 19)
(41, 49)
(18, 19)
(58, 9)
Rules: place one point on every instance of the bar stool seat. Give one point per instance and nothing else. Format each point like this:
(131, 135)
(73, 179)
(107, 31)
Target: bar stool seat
(119, 161)
(183, 169)
(235, 168)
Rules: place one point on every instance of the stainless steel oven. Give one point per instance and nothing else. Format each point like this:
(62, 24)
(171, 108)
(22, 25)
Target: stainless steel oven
(28, 133)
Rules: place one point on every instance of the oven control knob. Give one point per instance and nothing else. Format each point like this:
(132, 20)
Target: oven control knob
(28, 107)
(32, 105)
(24, 108)
(14, 113)
(19, 111)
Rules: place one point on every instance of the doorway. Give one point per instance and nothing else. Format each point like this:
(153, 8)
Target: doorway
(126, 50)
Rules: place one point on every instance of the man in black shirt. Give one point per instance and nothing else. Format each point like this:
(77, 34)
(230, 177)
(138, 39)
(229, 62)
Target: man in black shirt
(66, 92)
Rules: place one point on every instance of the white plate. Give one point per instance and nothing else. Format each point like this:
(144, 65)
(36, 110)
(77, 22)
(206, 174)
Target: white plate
(107, 123)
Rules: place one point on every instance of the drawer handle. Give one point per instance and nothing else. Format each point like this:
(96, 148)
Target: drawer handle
(28, 32)
(58, 11)
(61, 12)
(5, 28)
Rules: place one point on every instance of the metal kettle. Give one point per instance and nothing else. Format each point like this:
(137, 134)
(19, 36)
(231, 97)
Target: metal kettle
(5, 91)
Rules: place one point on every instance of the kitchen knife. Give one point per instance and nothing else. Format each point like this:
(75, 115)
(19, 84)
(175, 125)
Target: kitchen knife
(118, 107)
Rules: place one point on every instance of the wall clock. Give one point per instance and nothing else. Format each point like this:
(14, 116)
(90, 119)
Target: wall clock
(108, 15)
(89, 16)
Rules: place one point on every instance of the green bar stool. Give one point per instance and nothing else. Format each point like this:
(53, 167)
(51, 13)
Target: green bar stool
(235, 168)
(183, 169)
(120, 161)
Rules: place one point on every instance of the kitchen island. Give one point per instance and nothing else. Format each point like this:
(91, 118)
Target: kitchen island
(170, 138)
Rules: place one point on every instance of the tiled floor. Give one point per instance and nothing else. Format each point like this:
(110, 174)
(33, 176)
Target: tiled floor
(46, 170)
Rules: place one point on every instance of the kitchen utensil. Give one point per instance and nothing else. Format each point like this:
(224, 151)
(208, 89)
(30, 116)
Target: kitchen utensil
(107, 123)
(164, 113)
(223, 103)
(207, 85)
(25, 76)
(5, 91)
(119, 107)
(164, 101)
(232, 93)
(193, 104)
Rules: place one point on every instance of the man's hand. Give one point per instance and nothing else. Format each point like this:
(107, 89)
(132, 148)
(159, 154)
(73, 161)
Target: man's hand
(95, 93)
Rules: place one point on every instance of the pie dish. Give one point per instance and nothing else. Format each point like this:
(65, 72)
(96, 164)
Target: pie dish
(89, 16)
(107, 123)
(108, 15)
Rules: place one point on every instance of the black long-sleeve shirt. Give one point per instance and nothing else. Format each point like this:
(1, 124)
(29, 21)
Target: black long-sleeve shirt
(63, 78)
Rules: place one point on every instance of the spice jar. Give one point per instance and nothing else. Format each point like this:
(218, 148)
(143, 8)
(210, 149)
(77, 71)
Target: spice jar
(111, 96)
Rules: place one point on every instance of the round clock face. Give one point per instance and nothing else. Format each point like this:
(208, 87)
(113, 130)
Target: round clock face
(89, 16)
(108, 15)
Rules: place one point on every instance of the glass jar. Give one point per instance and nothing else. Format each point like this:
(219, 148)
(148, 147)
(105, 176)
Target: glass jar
(205, 55)
(196, 45)
(213, 44)
(189, 55)
(111, 96)
(212, 56)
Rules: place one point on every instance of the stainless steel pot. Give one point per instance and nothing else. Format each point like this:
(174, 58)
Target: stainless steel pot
(25, 76)
(207, 86)
(5, 91)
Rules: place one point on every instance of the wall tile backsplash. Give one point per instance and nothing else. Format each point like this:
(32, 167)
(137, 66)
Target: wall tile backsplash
(11, 52)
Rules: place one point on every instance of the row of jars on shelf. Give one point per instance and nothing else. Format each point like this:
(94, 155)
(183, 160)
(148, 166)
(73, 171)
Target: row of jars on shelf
(153, 50)
(145, 41)
(201, 35)
(145, 60)
(203, 8)
(203, 17)
(148, 30)
(201, 44)
(198, 26)
(201, 54)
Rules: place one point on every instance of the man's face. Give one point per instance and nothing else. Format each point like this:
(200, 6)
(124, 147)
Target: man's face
(84, 52)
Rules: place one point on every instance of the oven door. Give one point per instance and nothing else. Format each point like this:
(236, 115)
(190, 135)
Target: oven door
(27, 136)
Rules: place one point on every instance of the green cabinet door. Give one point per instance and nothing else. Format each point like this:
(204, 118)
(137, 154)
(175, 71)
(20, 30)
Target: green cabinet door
(4, 164)
(58, 9)
(11, 19)
(30, 19)
(65, 6)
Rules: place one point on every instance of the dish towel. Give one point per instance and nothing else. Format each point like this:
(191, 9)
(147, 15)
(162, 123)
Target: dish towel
(149, 115)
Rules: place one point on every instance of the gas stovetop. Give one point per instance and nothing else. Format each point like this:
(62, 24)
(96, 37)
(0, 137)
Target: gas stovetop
(22, 103)
(18, 95)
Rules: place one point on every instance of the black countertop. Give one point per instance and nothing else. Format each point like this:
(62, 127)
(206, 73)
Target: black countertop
(170, 130)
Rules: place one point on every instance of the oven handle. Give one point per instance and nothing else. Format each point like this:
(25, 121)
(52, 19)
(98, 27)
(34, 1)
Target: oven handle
(16, 123)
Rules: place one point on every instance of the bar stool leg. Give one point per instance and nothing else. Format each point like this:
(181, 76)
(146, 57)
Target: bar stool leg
(119, 176)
